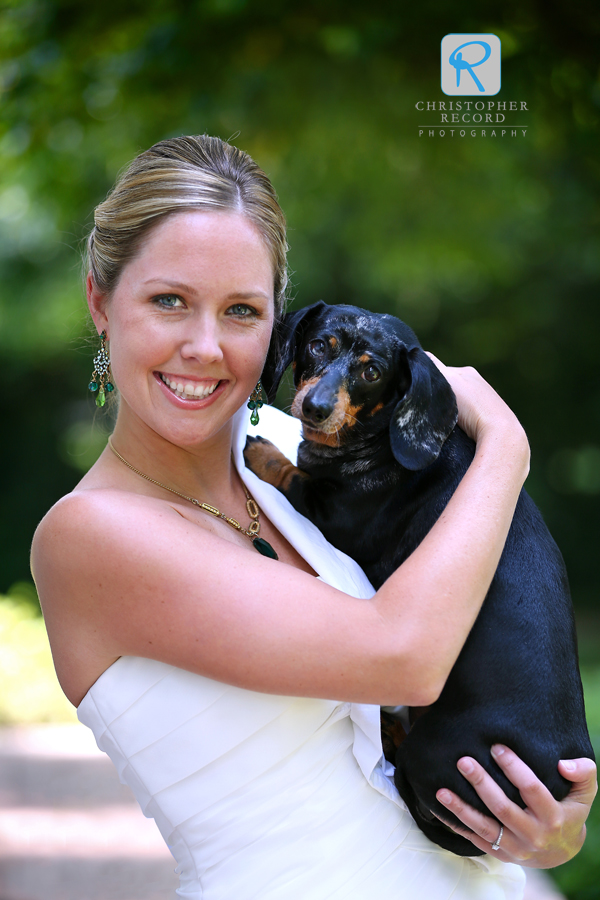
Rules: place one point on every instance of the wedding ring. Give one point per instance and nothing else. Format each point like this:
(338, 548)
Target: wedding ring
(496, 844)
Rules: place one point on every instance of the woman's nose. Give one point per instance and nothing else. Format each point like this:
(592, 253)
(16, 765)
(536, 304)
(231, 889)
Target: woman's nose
(203, 342)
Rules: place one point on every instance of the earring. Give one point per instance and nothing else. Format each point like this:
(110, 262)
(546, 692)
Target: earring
(255, 403)
(101, 375)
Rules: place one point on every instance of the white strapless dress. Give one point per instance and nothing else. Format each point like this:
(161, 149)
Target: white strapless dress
(266, 797)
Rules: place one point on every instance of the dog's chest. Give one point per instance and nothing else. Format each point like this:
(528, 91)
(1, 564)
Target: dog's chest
(375, 510)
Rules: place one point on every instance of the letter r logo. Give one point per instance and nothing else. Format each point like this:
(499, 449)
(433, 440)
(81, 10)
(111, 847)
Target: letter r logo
(471, 64)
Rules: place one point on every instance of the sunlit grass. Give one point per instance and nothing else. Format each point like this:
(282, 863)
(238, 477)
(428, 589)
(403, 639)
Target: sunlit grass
(30, 691)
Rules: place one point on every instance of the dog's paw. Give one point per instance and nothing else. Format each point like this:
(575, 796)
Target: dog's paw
(264, 459)
(269, 464)
(256, 439)
(258, 452)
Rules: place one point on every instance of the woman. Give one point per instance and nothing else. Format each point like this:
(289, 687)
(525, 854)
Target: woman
(200, 664)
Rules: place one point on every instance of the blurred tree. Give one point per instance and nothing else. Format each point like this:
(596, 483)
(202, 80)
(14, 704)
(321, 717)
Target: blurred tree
(487, 246)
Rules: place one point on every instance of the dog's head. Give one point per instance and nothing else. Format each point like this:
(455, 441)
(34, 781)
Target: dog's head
(357, 373)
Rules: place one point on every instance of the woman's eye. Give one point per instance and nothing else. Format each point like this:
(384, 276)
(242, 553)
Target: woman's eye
(317, 348)
(169, 301)
(242, 310)
(371, 373)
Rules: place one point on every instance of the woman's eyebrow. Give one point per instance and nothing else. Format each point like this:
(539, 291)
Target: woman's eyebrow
(247, 295)
(179, 285)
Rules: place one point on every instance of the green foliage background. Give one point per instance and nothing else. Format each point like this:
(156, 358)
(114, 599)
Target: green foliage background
(489, 247)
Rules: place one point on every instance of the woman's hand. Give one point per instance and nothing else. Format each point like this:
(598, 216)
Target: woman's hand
(546, 833)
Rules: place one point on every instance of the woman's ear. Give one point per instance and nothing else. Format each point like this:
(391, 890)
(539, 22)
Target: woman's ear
(97, 303)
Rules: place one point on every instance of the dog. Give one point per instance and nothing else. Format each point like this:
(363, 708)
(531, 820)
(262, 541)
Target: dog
(382, 455)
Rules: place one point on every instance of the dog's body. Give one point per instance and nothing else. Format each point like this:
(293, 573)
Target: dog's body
(381, 458)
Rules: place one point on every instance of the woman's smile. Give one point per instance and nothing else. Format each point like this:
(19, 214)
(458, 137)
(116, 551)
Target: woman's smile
(181, 386)
(190, 391)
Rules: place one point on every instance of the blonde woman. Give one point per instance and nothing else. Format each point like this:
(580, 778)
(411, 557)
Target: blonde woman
(237, 693)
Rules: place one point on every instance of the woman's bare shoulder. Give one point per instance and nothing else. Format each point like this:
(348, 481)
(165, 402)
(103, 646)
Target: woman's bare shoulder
(96, 561)
(91, 531)
(60, 564)
(79, 513)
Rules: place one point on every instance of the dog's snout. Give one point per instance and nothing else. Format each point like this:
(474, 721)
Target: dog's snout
(318, 405)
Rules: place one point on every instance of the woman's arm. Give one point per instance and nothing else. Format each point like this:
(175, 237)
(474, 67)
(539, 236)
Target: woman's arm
(134, 575)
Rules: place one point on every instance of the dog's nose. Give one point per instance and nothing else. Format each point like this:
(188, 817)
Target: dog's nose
(317, 406)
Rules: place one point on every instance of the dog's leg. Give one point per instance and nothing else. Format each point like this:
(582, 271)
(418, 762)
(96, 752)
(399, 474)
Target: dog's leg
(392, 735)
(265, 460)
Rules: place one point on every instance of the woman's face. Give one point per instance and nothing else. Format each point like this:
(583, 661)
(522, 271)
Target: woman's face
(189, 324)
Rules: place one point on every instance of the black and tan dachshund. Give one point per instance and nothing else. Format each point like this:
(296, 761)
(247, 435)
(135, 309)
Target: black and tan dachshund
(381, 456)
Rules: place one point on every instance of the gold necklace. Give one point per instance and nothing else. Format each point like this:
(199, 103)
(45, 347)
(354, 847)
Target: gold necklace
(259, 543)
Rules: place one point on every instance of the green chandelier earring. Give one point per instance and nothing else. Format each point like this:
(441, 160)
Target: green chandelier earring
(100, 383)
(255, 403)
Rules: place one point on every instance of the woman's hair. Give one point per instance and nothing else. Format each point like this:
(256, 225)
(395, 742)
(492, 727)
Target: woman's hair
(177, 175)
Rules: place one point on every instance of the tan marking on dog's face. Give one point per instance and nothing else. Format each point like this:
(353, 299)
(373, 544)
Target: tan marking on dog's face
(376, 408)
(343, 414)
(303, 389)
(320, 437)
(333, 342)
(365, 358)
(351, 411)
(338, 415)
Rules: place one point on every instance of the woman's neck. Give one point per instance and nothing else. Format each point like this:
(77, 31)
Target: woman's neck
(204, 470)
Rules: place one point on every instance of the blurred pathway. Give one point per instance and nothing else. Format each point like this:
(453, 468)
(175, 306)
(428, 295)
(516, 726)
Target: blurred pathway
(68, 829)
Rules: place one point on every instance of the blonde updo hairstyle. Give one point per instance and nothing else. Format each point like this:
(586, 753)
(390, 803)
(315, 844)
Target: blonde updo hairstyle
(177, 175)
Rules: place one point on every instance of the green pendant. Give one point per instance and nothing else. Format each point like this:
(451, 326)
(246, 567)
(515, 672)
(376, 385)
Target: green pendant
(264, 547)
(101, 398)
(254, 421)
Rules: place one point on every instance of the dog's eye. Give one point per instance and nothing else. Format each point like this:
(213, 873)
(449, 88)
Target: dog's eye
(371, 373)
(317, 348)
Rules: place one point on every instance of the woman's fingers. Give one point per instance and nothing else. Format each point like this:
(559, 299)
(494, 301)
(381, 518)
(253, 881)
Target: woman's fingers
(521, 827)
(582, 772)
(485, 828)
(536, 796)
(545, 833)
(481, 830)
(573, 810)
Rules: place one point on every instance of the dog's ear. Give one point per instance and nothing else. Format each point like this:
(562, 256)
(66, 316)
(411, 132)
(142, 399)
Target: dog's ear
(284, 345)
(426, 414)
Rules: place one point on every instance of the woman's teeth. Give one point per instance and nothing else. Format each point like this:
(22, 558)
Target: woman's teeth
(197, 391)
